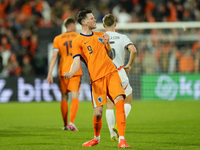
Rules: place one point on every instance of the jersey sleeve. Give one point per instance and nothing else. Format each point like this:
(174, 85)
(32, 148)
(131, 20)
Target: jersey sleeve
(76, 48)
(127, 42)
(55, 44)
(99, 33)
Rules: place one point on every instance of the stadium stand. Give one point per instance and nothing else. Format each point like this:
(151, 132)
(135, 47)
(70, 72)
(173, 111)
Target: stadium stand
(27, 26)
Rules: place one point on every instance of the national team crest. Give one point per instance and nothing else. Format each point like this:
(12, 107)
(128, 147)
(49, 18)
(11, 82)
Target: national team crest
(100, 39)
(100, 100)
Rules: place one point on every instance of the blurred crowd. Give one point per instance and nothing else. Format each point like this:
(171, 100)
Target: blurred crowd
(21, 19)
(167, 51)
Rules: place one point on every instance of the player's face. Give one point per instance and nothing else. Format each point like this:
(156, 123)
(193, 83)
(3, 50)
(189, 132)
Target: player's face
(91, 21)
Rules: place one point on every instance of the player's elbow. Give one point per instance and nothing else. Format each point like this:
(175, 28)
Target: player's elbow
(132, 49)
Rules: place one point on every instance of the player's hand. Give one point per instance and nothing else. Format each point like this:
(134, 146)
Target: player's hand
(127, 69)
(49, 80)
(106, 38)
(67, 75)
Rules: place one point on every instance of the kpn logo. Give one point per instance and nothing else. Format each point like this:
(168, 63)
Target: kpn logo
(167, 88)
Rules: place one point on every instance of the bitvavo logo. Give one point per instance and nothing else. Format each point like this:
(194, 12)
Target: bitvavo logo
(28, 92)
(166, 88)
(5, 94)
(41, 90)
(38, 91)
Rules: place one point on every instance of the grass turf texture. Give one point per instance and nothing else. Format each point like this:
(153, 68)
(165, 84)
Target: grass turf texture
(150, 126)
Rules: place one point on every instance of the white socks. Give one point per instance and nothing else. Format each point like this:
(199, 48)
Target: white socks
(127, 108)
(110, 118)
(121, 137)
(97, 137)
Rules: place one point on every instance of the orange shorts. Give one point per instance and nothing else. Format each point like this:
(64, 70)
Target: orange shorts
(110, 85)
(72, 84)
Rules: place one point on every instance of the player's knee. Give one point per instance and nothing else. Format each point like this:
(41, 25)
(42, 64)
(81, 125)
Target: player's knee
(98, 113)
(128, 100)
(98, 116)
(65, 96)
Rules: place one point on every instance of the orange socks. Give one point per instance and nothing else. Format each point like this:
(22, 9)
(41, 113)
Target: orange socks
(97, 123)
(74, 109)
(64, 110)
(120, 117)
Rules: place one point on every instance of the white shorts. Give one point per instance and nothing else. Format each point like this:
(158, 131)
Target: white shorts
(125, 81)
(127, 87)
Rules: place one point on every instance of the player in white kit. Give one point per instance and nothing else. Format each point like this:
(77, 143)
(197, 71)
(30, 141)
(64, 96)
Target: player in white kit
(119, 43)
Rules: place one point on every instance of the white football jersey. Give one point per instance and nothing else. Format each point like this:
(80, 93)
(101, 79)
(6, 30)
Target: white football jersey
(119, 44)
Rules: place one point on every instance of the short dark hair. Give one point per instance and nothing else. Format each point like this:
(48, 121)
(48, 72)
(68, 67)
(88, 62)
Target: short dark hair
(68, 21)
(109, 20)
(82, 14)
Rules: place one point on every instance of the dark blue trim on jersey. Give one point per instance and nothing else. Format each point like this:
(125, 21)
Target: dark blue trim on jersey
(87, 35)
(81, 59)
(128, 45)
(115, 66)
(76, 55)
(91, 94)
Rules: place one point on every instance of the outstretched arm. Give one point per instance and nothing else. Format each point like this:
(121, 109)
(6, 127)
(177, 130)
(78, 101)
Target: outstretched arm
(74, 68)
(51, 66)
(133, 53)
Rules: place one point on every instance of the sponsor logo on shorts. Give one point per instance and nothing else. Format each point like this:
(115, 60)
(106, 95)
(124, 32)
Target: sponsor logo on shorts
(100, 100)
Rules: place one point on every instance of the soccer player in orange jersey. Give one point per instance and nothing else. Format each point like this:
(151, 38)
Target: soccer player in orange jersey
(62, 45)
(94, 49)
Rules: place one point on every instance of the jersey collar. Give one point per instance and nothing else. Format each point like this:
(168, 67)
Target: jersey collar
(87, 35)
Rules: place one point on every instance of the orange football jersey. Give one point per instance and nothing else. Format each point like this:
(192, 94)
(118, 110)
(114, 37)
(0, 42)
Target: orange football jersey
(92, 50)
(63, 44)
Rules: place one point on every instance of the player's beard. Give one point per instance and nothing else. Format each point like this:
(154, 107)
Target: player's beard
(93, 27)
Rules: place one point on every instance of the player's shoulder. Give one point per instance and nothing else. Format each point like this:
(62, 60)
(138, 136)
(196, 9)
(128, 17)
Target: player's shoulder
(67, 35)
(98, 33)
(58, 36)
(78, 38)
(115, 34)
(120, 34)
(73, 34)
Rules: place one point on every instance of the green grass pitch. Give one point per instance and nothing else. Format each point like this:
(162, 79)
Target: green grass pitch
(158, 125)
